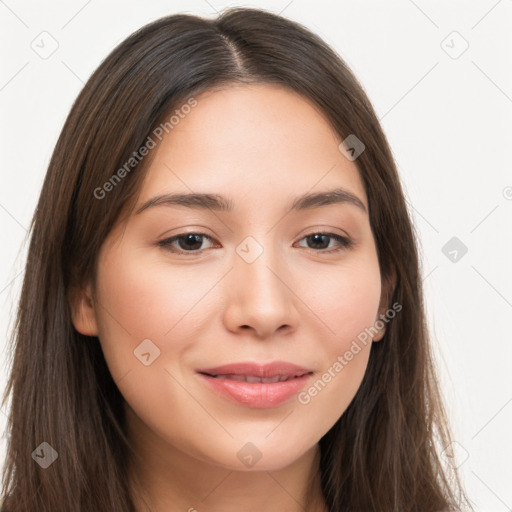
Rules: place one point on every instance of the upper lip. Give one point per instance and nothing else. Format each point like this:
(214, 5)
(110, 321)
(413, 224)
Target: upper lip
(281, 368)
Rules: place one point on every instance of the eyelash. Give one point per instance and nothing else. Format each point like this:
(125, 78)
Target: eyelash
(344, 243)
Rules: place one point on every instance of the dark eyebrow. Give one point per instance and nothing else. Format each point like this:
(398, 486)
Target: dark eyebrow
(221, 203)
(335, 196)
(200, 201)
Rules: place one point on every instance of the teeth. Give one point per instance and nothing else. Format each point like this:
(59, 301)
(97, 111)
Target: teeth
(252, 379)
(240, 378)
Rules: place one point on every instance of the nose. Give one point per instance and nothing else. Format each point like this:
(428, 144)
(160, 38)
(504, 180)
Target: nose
(260, 297)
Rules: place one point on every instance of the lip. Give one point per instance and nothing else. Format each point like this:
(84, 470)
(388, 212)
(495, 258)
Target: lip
(261, 395)
(258, 370)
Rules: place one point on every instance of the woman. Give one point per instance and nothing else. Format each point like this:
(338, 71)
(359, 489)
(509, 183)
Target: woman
(283, 366)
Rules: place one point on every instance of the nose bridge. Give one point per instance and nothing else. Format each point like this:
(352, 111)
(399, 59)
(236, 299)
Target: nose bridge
(260, 297)
(257, 266)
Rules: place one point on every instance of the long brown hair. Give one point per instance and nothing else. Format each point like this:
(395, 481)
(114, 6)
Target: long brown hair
(383, 454)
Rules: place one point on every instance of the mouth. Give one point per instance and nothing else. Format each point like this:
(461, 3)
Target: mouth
(255, 378)
(249, 371)
(255, 391)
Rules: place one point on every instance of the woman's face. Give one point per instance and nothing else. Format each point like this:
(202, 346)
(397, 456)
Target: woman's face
(254, 285)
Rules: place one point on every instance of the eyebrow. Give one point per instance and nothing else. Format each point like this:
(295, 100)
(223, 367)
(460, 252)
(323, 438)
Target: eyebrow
(220, 203)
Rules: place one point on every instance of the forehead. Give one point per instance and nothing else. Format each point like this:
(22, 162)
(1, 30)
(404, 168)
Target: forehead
(251, 141)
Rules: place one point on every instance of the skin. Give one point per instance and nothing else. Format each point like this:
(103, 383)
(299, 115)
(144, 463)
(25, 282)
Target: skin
(260, 146)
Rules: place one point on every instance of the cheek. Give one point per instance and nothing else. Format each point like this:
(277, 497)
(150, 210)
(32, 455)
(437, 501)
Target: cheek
(146, 323)
(147, 298)
(327, 397)
(344, 298)
(346, 302)
(132, 306)
(138, 301)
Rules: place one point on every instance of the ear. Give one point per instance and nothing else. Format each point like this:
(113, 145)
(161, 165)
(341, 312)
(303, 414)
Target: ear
(388, 287)
(83, 313)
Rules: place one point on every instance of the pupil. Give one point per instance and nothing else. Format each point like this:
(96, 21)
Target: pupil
(193, 239)
(317, 237)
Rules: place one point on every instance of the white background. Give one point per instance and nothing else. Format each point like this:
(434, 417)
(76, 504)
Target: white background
(448, 120)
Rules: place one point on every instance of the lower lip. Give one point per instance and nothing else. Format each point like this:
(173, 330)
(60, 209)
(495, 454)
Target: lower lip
(260, 395)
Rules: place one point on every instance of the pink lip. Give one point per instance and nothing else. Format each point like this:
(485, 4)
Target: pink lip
(260, 395)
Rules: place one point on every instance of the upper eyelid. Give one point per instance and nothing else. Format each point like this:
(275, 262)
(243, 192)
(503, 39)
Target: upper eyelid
(315, 232)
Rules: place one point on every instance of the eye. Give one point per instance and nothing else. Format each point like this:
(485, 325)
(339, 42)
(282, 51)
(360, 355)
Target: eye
(321, 239)
(187, 242)
(191, 242)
